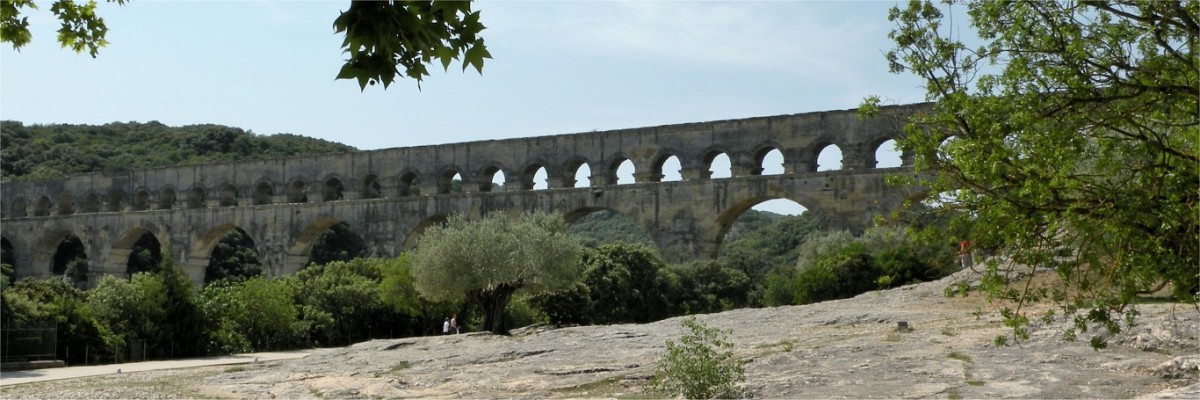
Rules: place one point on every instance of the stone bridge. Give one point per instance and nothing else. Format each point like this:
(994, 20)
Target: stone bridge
(389, 196)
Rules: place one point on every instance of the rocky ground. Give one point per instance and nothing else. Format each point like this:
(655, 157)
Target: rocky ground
(839, 349)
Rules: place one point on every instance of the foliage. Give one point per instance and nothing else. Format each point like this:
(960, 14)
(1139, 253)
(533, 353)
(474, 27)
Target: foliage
(569, 306)
(520, 312)
(381, 37)
(183, 325)
(489, 260)
(145, 256)
(54, 151)
(709, 286)
(54, 300)
(608, 226)
(699, 366)
(129, 309)
(1067, 139)
(338, 243)
(398, 291)
(340, 302)
(627, 284)
(772, 237)
(70, 261)
(81, 27)
(837, 265)
(257, 314)
(234, 258)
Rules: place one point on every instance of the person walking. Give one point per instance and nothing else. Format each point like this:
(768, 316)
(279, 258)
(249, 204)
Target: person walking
(446, 327)
(454, 323)
(964, 253)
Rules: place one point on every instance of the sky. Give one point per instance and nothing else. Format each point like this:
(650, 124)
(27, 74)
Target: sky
(558, 67)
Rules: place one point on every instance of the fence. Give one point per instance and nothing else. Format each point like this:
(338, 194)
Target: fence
(28, 342)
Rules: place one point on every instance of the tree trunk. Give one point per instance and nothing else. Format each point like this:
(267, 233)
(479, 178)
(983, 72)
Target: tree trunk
(493, 302)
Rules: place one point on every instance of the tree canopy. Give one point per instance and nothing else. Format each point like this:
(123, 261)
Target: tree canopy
(1066, 138)
(380, 36)
(488, 260)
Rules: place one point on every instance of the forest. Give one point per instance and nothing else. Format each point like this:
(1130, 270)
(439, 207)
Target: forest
(32, 152)
(766, 260)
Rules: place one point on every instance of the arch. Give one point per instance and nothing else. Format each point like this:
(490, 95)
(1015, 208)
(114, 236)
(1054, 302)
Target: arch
(195, 197)
(414, 235)
(622, 171)
(829, 158)
(583, 174)
(541, 179)
(409, 184)
(123, 251)
(70, 260)
(715, 233)
(297, 191)
(371, 188)
(44, 251)
(115, 199)
(18, 208)
(450, 181)
(887, 155)
(302, 246)
(141, 200)
(263, 192)
(90, 204)
(333, 190)
(202, 255)
(166, 198)
(337, 243)
(227, 196)
(66, 205)
(667, 168)
(497, 178)
(533, 177)
(42, 208)
(718, 164)
(769, 161)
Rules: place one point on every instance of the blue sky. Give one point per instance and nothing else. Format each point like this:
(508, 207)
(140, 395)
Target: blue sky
(558, 67)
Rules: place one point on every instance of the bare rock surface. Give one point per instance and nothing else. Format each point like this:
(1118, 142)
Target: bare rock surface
(838, 349)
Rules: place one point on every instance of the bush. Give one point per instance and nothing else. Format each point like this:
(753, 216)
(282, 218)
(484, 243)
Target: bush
(570, 306)
(838, 265)
(710, 286)
(628, 283)
(699, 366)
(252, 315)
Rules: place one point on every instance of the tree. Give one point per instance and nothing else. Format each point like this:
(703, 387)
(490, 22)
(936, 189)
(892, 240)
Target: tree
(81, 27)
(628, 283)
(380, 36)
(488, 260)
(1067, 139)
(341, 300)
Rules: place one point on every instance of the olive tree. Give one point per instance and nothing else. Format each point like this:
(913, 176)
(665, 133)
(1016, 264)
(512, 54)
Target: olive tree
(1065, 137)
(489, 260)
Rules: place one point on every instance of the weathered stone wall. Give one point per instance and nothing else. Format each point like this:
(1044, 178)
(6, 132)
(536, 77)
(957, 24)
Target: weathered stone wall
(285, 203)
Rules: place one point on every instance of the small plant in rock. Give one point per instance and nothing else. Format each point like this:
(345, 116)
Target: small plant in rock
(699, 366)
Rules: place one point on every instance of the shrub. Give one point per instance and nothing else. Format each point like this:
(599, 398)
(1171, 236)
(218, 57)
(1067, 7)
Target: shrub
(699, 366)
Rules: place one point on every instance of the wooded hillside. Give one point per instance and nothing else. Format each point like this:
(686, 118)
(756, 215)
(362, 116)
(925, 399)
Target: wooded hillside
(29, 152)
